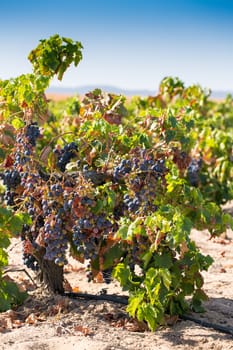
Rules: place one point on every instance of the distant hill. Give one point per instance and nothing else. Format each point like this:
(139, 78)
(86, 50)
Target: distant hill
(220, 94)
(82, 90)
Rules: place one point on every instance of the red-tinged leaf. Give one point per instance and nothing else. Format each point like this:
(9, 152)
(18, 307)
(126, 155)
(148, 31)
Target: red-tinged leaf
(112, 118)
(9, 161)
(24, 104)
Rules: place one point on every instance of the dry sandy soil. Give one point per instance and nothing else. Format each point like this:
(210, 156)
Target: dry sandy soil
(55, 322)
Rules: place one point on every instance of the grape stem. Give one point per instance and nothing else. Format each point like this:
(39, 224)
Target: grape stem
(14, 269)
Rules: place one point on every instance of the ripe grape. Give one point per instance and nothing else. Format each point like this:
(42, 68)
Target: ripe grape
(193, 171)
(144, 177)
(32, 132)
(107, 275)
(122, 169)
(64, 155)
(30, 261)
(11, 178)
(9, 198)
(88, 233)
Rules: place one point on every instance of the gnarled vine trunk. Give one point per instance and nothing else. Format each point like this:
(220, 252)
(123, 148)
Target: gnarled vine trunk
(51, 275)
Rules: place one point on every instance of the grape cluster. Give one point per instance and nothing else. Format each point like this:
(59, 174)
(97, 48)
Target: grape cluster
(9, 198)
(30, 206)
(107, 275)
(142, 175)
(55, 233)
(25, 142)
(132, 203)
(11, 178)
(136, 250)
(86, 245)
(64, 155)
(121, 170)
(32, 132)
(55, 239)
(88, 233)
(141, 168)
(193, 171)
(30, 261)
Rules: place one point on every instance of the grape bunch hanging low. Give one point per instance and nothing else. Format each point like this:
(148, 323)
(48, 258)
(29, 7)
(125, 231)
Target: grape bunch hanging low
(143, 176)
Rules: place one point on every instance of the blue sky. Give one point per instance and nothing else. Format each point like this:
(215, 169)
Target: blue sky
(127, 43)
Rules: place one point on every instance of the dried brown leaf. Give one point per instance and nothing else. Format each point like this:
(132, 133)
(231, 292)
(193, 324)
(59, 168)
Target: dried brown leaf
(31, 319)
(84, 330)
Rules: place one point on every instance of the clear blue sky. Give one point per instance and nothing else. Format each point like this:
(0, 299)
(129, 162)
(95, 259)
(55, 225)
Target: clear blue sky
(127, 43)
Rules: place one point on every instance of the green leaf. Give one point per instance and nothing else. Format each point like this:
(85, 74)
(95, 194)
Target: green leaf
(5, 213)
(15, 225)
(3, 258)
(150, 315)
(136, 227)
(121, 273)
(146, 258)
(164, 260)
(4, 240)
(123, 232)
(113, 254)
(10, 295)
(17, 123)
(133, 303)
(111, 199)
(166, 277)
(4, 301)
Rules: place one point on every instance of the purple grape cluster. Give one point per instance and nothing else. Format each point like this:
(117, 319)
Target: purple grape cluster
(136, 250)
(121, 170)
(25, 142)
(65, 155)
(193, 171)
(132, 203)
(11, 178)
(141, 176)
(30, 206)
(55, 190)
(32, 132)
(107, 275)
(141, 168)
(55, 240)
(30, 261)
(86, 245)
(9, 197)
(88, 233)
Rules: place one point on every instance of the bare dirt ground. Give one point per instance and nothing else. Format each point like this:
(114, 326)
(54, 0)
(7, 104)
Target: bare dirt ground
(47, 322)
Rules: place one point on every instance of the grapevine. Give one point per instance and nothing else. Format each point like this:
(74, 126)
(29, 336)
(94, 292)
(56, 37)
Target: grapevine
(117, 184)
